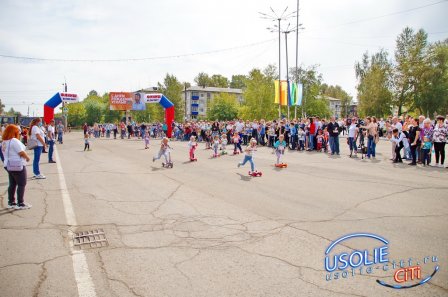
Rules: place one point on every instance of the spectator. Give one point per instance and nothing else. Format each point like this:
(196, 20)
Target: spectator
(60, 130)
(37, 134)
(439, 139)
(51, 140)
(333, 130)
(15, 157)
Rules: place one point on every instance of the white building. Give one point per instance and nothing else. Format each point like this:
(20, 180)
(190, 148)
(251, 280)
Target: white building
(198, 99)
(335, 106)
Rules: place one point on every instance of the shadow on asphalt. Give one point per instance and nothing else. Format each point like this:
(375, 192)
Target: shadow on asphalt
(278, 168)
(245, 177)
(6, 211)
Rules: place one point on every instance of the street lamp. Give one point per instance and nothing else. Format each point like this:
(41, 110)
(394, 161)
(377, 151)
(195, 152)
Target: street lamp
(286, 32)
(275, 17)
(64, 116)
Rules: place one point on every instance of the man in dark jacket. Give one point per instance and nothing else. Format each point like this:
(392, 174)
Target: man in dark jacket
(333, 130)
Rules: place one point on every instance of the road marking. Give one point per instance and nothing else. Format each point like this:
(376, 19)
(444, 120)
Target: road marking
(84, 282)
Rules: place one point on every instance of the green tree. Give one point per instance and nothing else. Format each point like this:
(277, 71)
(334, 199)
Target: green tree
(202, 80)
(432, 96)
(411, 68)
(216, 80)
(2, 107)
(238, 81)
(259, 95)
(313, 104)
(224, 107)
(374, 76)
(94, 106)
(219, 81)
(93, 111)
(92, 93)
(76, 114)
(319, 107)
(12, 112)
(172, 88)
(141, 116)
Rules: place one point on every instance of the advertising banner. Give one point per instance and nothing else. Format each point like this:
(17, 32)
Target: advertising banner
(120, 100)
(126, 101)
(151, 98)
(132, 101)
(69, 98)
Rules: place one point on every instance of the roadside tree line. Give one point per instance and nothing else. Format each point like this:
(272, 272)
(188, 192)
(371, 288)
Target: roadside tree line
(415, 81)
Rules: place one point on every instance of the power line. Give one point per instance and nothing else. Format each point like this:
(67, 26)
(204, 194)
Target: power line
(23, 91)
(367, 37)
(134, 59)
(389, 14)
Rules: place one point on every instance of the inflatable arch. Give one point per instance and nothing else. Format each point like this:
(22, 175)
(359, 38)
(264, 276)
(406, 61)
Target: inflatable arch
(54, 101)
(58, 98)
(167, 105)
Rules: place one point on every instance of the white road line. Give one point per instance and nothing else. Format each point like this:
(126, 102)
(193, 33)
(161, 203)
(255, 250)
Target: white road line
(84, 282)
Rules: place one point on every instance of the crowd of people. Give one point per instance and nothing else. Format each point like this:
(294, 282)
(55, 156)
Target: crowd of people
(412, 138)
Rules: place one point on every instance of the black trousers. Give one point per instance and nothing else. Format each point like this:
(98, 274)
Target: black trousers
(86, 146)
(414, 153)
(420, 154)
(398, 148)
(439, 148)
(17, 181)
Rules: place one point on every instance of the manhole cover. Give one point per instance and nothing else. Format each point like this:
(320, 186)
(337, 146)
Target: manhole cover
(90, 239)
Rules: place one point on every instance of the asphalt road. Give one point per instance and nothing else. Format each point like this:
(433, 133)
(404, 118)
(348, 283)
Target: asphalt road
(208, 229)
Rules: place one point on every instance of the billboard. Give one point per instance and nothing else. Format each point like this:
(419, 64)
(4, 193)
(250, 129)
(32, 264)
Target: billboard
(126, 101)
(132, 101)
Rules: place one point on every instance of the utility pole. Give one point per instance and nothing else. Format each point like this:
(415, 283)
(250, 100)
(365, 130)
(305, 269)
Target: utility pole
(297, 56)
(279, 72)
(278, 17)
(288, 96)
(64, 116)
(185, 95)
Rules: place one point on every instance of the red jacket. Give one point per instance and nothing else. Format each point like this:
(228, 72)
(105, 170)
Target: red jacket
(312, 129)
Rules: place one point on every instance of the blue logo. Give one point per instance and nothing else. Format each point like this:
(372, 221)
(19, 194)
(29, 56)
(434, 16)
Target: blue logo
(359, 262)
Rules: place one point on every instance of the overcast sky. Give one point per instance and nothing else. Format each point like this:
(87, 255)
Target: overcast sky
(335, 36)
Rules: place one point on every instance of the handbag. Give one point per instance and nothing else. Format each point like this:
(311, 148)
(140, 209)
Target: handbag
(32, 143)
(15, 165)
(377, 139)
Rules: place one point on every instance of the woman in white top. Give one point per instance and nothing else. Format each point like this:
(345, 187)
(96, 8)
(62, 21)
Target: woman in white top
(37, 134)
(14, 151)
(352, 135)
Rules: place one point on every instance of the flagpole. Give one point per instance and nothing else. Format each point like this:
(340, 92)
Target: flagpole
(287, 71)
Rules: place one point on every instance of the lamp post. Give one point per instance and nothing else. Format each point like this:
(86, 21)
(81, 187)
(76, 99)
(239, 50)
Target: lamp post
(286, 32)
(275, 17)
(64, 116)
(297, 53)
(185, 96)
